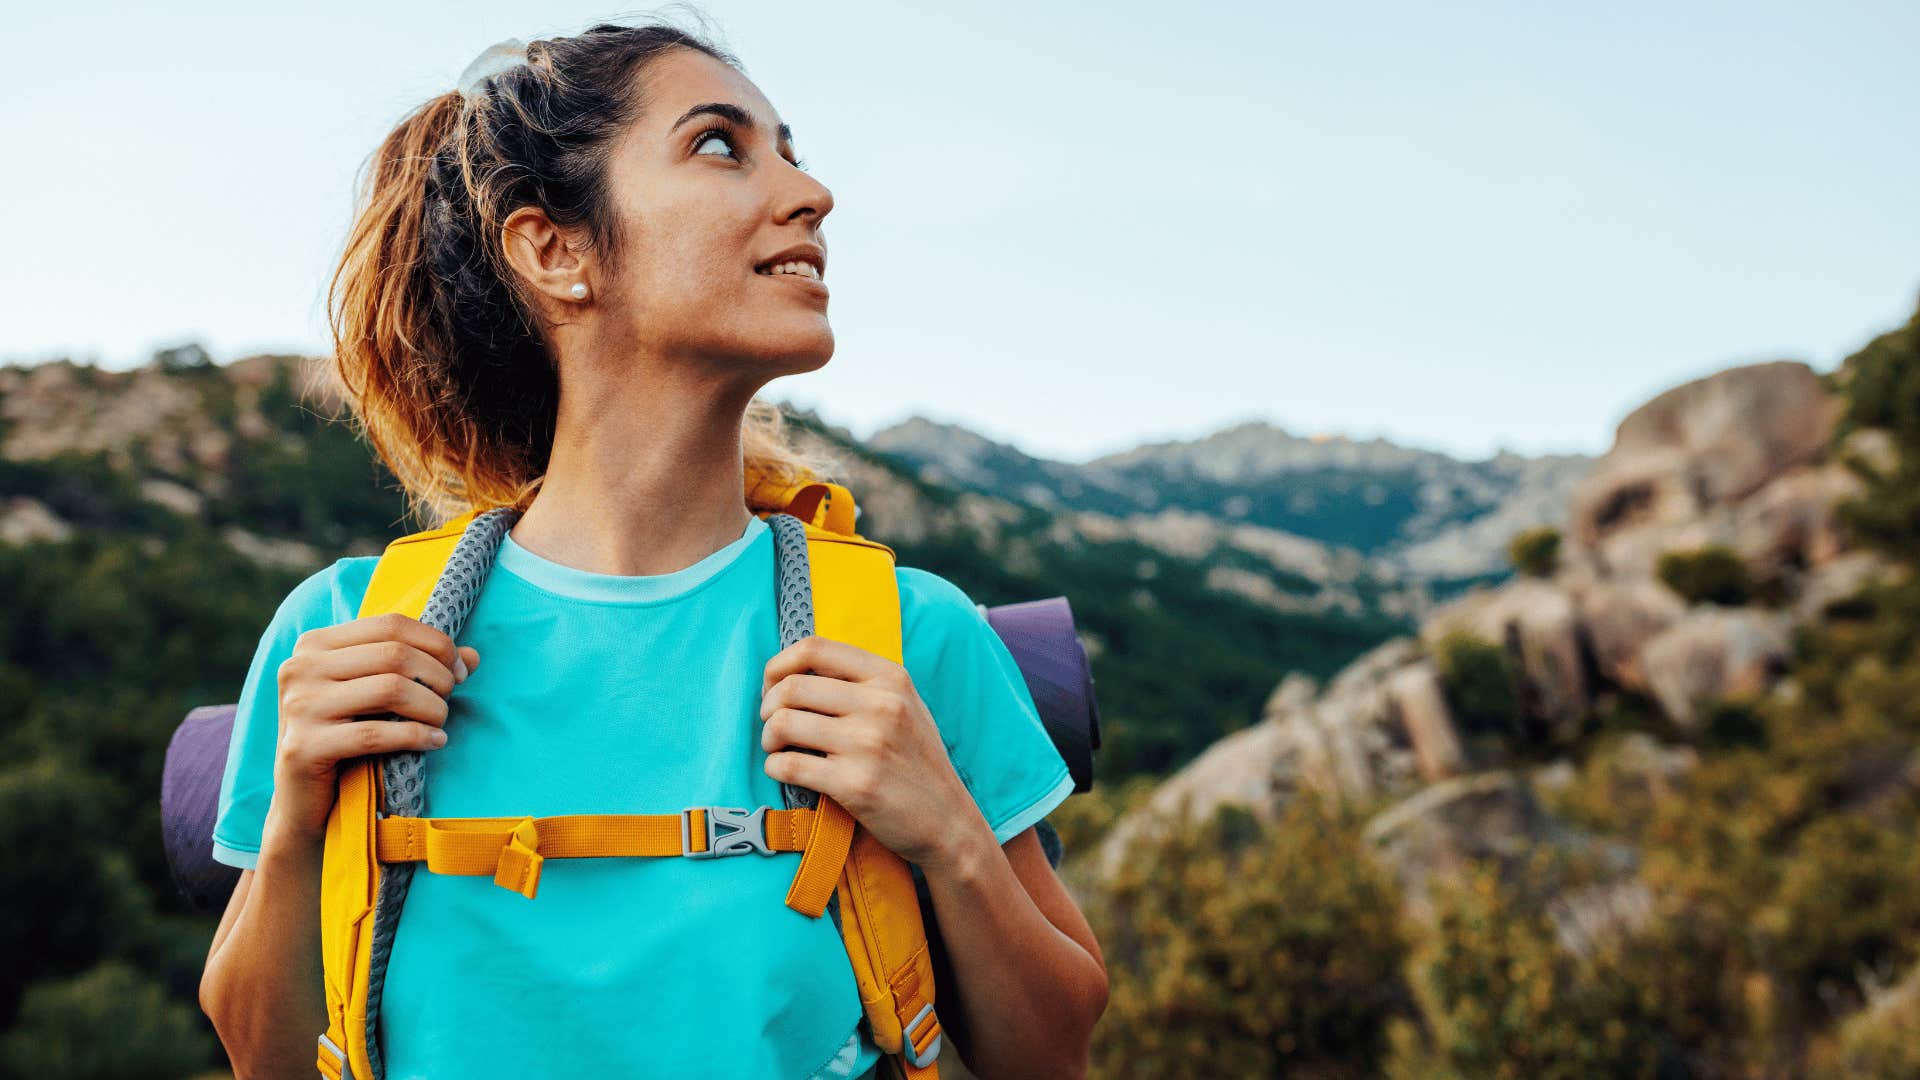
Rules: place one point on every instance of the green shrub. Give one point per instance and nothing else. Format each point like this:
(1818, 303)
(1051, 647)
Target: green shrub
(1714, 574)
(189, 357)
(1881, 389)
(1239, 950)
(1846, 901)
(1501, 999)
(1728, 722)
(71, 892)
(1536, 552)
(112, 1023)
(1877, 1043)
(1479, 685)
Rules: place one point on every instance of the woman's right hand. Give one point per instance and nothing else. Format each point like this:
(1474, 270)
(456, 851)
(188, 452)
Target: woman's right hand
(375, 665)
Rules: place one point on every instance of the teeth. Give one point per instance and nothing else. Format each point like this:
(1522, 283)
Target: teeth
(804, 269)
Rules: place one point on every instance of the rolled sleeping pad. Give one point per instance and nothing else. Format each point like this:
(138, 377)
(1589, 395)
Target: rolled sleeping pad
(190, 801)
(1039, 634)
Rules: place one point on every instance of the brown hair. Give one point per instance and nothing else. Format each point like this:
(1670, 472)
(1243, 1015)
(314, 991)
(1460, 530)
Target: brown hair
(435, 340)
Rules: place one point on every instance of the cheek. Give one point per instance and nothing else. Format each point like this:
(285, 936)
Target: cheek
(688, 260)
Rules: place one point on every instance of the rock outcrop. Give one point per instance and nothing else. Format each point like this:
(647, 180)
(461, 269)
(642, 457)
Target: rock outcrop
(1739, 458)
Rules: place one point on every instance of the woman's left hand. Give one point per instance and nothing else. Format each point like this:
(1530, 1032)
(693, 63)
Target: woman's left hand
(885, 762)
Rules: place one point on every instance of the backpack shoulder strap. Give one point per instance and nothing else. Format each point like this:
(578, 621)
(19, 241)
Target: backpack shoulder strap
(409, 568)
(402, 581)
(856, 599)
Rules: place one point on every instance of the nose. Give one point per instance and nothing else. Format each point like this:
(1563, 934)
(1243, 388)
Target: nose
(809, 196)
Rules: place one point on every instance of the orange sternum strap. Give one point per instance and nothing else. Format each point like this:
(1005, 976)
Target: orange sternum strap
(512, 849)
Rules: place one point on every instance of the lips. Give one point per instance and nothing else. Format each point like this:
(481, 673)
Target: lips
(811, 254)
(810, 284)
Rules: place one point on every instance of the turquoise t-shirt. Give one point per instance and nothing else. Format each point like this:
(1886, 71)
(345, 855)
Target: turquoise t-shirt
(601, 694)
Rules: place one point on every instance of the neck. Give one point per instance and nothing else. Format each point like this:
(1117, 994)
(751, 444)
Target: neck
(640, 483)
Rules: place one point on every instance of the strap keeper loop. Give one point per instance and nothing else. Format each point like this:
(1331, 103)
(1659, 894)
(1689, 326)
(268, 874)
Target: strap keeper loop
(520, 859)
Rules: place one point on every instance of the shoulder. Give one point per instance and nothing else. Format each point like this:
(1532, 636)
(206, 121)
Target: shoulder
(328, 596)
(980, 699)
(930, 596)
(932, 605)
(945, 637)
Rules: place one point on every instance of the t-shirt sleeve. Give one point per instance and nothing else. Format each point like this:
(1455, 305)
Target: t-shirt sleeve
(329, 596)
(970, 682)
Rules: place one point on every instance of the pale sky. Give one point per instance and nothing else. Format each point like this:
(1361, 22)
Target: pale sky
(1079, 227)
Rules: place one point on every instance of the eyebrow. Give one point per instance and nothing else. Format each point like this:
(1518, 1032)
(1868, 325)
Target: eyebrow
(730, 111)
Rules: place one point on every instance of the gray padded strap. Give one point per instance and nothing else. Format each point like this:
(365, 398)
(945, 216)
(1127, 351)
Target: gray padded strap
(793, 588)
(404, 774)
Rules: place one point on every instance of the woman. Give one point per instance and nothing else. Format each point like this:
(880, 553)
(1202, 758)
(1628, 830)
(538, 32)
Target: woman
(567, 282)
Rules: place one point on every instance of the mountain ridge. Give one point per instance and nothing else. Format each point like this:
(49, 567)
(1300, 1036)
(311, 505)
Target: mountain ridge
(1425, 515)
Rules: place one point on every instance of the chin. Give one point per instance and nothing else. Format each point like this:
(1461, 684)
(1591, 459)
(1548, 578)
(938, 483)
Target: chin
(801, 352)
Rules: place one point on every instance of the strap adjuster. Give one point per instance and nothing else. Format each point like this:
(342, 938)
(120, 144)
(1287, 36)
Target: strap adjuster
(748, 831)
(333, 1060)
(923, 1019)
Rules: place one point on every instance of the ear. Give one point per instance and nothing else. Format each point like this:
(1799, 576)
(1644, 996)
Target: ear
(540, 252)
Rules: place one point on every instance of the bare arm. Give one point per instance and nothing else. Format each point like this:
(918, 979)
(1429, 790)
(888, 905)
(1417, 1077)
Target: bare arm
(264, 984)
(1029, 976)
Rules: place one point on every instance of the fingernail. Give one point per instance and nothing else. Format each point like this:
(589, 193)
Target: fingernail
(459, 669)
(438, 738)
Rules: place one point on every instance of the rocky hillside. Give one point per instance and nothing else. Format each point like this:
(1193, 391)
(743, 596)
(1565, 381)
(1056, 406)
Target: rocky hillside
(1739, 466)
(250, 452)
(243, 448)
(1647, 809)
(1736, 460)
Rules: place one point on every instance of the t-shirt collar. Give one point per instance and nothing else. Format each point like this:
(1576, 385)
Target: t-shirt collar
(580, 584)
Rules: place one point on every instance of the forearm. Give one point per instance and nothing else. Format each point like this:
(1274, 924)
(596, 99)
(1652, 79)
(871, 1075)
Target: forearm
(1027, 993)
(265, 991)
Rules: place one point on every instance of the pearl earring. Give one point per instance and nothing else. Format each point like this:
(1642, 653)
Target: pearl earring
(579, 290)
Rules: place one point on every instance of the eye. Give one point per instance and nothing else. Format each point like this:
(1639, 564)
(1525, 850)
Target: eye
(726, 135)
(709, 135)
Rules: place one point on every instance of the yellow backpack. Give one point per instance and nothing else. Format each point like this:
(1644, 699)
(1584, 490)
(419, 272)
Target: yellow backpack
(373, 844)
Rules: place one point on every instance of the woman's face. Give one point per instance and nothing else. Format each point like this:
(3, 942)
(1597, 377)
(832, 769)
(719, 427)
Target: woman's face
(703, 202)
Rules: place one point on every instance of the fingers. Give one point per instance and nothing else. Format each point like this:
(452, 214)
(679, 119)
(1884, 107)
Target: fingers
(800, 729)
(337, 742)
(375, 657)
(818, 693)
(375, 695)
(389, 627)
(826, 656)
(804, 770)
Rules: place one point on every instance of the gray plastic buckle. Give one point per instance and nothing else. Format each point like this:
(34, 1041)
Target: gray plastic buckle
(749, 831)
(921, 1061)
